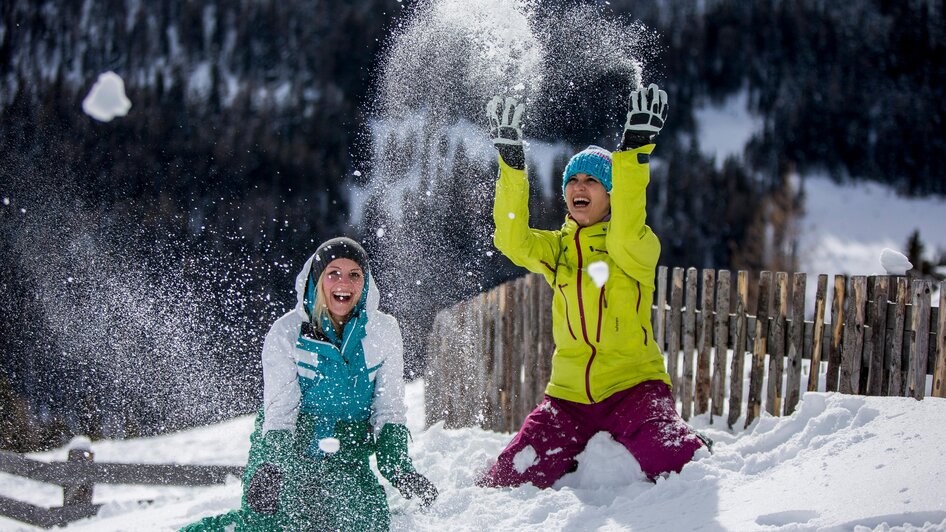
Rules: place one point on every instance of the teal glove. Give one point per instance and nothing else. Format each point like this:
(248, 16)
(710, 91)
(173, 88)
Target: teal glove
(396, 466)
(391, 451)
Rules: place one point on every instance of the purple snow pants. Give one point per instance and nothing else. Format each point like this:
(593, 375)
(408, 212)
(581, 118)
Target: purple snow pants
(643, 419)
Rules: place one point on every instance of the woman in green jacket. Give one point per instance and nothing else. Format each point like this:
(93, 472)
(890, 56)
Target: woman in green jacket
(333, 395)
(607, 372)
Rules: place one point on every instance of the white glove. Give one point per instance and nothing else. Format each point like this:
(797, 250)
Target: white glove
(646, 114)
(505, 129)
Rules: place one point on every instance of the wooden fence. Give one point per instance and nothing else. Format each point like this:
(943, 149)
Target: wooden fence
(488, 358)
(80, 473)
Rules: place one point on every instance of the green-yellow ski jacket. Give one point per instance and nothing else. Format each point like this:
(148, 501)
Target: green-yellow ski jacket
(603, 336)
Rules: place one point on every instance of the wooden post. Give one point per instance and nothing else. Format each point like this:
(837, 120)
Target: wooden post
(853, 337)
(705, 343)
(432, 407)
(760, 347)
(739, 347)
(939, 373)
(689, 345)
(921, 339)
(81, 494)
(773, 402)
(527, 349)
(875, 380)
(660, 317)
(547, 340)
(817, 334)
(673, 340)
(723, 291)
(837, 328)
(796, 343)
(896, 384)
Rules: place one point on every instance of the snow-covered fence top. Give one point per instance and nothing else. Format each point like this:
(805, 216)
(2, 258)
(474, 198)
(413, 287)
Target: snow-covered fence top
(488, 358)
(80, 473)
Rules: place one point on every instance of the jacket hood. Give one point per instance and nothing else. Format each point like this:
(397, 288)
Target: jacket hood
(370, 296)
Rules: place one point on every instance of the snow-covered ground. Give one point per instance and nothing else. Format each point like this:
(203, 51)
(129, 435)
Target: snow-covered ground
(839, 463)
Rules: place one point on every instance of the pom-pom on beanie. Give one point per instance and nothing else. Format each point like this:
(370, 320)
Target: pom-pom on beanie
(594, 161)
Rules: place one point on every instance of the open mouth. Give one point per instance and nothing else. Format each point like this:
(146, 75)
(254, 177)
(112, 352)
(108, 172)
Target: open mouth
(581, 202)
(342, 297)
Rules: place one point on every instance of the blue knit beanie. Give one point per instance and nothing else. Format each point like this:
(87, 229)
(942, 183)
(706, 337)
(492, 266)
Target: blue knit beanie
(594, 161)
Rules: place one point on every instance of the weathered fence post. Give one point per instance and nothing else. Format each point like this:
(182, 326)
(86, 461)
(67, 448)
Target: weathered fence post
(897, 382)
(850, 381)
(817, 333)
(921, 338)
(773, 400)
(80, 450)
(660, 316)
(759, 349)
(689, 345)
(939, 373)
(739, 347)
(837, 327)
(705, 343)
(796, 343)
(875, 382)
(723, 291)
(673, 342)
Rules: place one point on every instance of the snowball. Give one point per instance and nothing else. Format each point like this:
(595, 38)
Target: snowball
(512, 216)
(329, 445)
(894, 262)
(107, 98)
(6, 201)
(525, 459)
(380, 232)
(81, 443)
(357, 173)
(599, 273)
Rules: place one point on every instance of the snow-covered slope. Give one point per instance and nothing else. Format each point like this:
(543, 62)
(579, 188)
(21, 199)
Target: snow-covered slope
(840, 463)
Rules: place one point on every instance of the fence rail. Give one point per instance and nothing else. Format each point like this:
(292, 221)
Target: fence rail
(489, 357)
(80, 473)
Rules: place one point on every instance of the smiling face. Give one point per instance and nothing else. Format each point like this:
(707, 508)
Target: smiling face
(587, 199)
(342, 283)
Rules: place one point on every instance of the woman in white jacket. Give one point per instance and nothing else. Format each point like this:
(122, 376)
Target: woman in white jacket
(333, 394)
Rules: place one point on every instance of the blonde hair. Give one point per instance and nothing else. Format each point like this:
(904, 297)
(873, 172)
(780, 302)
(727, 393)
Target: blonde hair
(320, 309)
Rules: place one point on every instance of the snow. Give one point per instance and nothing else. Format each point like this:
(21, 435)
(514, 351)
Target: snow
(726, 127)
(839, 463)
(599, 273)
(329, 445)
(106, 99)
(845, 227)
(894, 262)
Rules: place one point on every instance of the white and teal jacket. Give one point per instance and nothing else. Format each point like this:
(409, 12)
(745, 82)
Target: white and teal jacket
(356, 377)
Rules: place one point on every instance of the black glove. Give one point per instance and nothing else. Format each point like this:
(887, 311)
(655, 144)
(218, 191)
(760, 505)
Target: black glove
(646, 114)
(262, 495)
(505, 129)
(411, 483)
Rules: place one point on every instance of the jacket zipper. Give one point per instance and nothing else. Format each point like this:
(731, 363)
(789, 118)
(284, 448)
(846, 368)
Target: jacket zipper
(584, 328)
(568, 320)
(602, 304)
(639, 312)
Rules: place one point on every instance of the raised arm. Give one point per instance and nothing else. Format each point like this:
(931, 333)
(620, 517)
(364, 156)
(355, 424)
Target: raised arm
(631, 243)
(533, 249)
